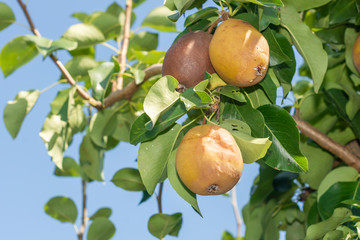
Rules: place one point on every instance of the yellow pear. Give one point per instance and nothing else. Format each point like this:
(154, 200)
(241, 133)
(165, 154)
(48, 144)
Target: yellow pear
(208, 160)
(239, 53)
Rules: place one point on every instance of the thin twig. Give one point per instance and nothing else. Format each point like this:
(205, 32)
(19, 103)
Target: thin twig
(84, 218)
(158, 197)
(236, 212)
(124, 47)
(327, 143)
(58, 63)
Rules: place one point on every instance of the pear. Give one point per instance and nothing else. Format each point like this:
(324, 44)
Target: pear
(187, 59)
(239, 53)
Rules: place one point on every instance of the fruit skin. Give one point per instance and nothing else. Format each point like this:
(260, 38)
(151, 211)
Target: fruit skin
(356, 53)
(239, 53)
(208, 160)
(187, 59)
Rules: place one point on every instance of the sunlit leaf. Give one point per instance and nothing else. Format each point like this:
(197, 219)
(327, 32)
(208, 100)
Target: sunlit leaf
(15, 111)
(158, 19)
(70, 168)
(100, 78)
(154, 155)
(16, 53)
(91, 159)
(284, 152)
(62, 209)
(85, 35)
(101, 229)
(7, 16)
(307, 43)
(178, 186)
(102, 212)
(46, 46)
(128, 179)
(161, 225)
(161, 97)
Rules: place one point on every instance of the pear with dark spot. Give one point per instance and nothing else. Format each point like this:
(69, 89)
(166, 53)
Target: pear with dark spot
(188, 59)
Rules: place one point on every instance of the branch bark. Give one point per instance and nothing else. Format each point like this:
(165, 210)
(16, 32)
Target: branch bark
(236, 212)
(84, 217)
(124, 48)
(327, 143)
(59, 64)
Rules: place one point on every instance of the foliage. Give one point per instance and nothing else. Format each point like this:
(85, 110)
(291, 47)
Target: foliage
(299, 190)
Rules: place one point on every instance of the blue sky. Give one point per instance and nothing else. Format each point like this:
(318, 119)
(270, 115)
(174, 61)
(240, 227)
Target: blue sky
(27, 181)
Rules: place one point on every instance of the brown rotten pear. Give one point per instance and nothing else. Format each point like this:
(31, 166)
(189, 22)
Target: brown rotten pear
(356, 53)
(239, 53)
(187, 60)
(208, 160)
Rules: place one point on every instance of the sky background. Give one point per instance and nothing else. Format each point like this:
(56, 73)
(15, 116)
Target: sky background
(27, 181)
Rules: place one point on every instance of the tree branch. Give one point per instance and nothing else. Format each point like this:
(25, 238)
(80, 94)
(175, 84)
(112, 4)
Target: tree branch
(131, 88)
(84, 218)
(124, 47)
(236, 212)
(327, 143)
(59, 64)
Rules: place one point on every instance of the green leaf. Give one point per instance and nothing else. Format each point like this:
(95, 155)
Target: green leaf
(143, 41)
(85, 35)
(63, 101)
(7, 16)
(257, 96)
(269, 88)
(252, 149)
(179, 186)
(70, 168)
(46, 46)
(202, 14)
(191, 99)
(139, 133)
(138, 75)
(320, 163)
(247, 114)
(162, 95)
(233, 92)
(277, 56)
(308, 45)
(318, 230)
(252, 220)
(79, 66)
(56, 135)
(16, 53)
(349, 38)
(284, 152)
(102, 213)
(302, 5)
(285, 71)
(107, 23)
(341, 174)
(160, 225)
(15, 111)
(269, 15)
(342, 11)
(153, 157)
(101, 229)
(150, 57)
(128, 179)
(102, 125)
(62, 209)
(81, 16)
(91, 159)
(337, 193)
(100, 78)
(158, 19)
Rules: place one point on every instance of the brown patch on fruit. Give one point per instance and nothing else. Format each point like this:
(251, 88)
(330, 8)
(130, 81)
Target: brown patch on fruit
(187, 60)
(208, 160)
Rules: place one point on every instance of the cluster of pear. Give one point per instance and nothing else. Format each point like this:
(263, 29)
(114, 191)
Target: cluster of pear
(208, 160)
